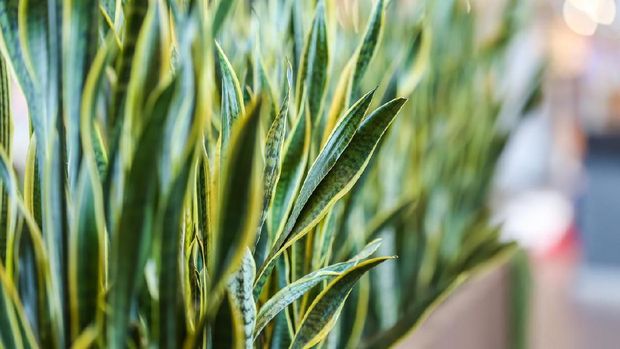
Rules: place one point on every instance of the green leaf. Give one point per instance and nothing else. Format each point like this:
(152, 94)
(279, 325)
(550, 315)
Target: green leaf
(232, 99)
(295, 290)
(324, 311)
(135, 12)
(227, 327)
(334, 184)
(221, 12)
(295, 159)
(16, 331)
(171, 315)
(340, 138)
(368, 47)
(49, 305)
(312, 76)
(133, 233)
(79, 42)
(273, 150)
(86, 252)
(240, 288)
(381, 221)
(6, 134)
(16, 59)
(240, 196)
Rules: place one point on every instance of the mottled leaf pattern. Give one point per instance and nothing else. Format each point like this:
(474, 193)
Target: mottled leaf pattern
(324, 311)
(185, 186)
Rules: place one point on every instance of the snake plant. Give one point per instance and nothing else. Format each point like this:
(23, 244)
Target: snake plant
(217, 174)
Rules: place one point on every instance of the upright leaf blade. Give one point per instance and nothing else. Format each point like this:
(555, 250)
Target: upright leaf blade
(240, 196)
(335, 184)
(240, 288)
(368, 47)
(6, 134)
(312, 76)
(232, 99)
(273, 149)
(293, 166)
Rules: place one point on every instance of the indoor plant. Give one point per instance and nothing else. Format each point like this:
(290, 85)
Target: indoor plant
(180, 192)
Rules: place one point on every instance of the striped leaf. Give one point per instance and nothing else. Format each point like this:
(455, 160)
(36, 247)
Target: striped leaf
(339, 140)
(312, 75)
(295, 158)
(324, 311)
(16, 331)
(368, 47)
(6, 134)
(222, 11)
(240, 288)
(273, 150)
(295, 290)
(79, 39)
(336, 183)
(240, 196)
(86, 252)
(232, 99)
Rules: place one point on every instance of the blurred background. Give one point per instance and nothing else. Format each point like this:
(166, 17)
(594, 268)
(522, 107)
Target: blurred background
(557, 189)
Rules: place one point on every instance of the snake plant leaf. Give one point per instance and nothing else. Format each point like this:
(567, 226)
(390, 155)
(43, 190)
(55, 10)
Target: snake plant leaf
(6, 134)
(383, 219)
(312, 76)
(336, 183)
(132, 234)
(86, 246)
(36, 54)
(79, 47)
(348, 169)
(368, 47)
(232, 99)
(339, 100)
(16, 331)
(223, 9)
(228, 327)
(273, 150)
(50, 312)
(171, 316)
(297, 34)
(339, 140)
(241, 195)
(108, 11)
(240, 288)
(324, 311)
(354, 315)
(295, 158)
(135, 12)
(293, 291)
(16, 57)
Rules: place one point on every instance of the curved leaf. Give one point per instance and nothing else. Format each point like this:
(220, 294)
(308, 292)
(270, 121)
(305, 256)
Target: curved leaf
(335, 184)
(324, 311)
(294, 291)
(240, 196)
